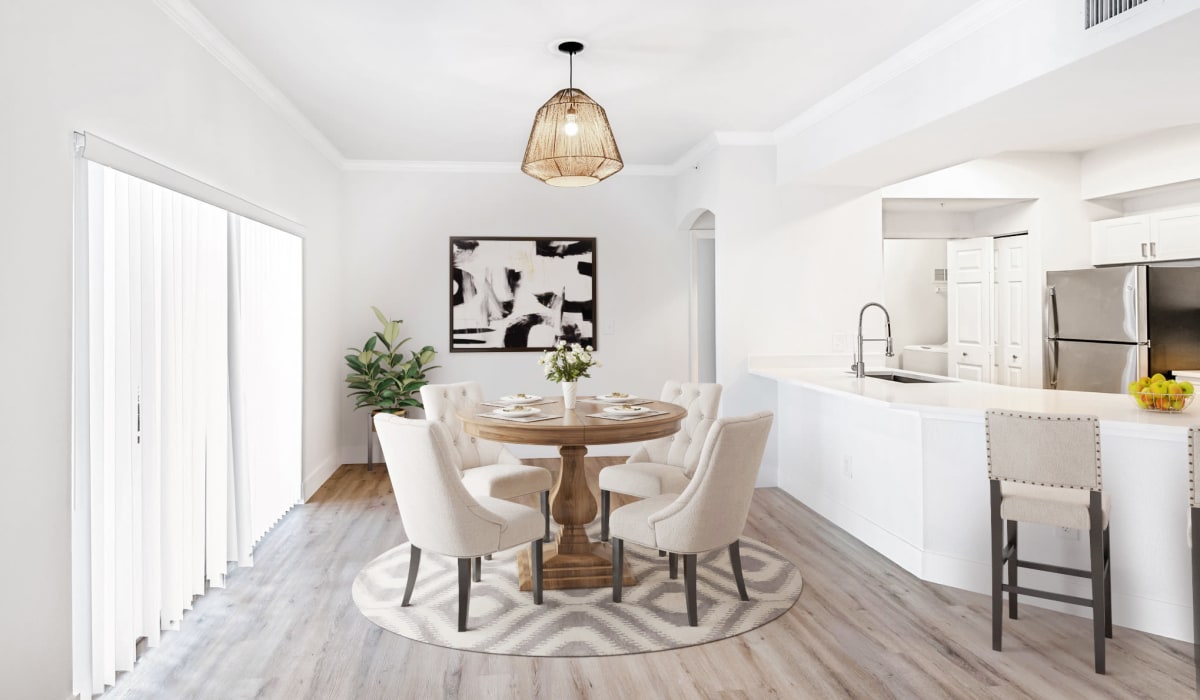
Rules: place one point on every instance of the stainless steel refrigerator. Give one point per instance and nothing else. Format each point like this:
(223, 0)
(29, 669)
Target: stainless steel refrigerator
(1107, 326)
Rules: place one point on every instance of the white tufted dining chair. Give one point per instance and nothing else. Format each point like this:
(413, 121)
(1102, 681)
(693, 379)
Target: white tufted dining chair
(667, 464)
(709, 514)
(439, 514)
(488, 468)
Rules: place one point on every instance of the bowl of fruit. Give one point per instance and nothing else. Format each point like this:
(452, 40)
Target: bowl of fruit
(1158, 393)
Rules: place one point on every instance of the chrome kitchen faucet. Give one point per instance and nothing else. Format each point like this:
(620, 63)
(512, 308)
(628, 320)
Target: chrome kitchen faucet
(860, 365)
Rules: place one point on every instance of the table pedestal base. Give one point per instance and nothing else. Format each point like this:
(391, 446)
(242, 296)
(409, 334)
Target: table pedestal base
(560, 571)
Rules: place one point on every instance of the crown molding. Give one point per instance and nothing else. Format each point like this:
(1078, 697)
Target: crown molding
(717, 139)
(199, 28)
(477, 167)
(956, 29)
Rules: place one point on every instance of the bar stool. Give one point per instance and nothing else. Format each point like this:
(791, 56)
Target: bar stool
(1194, 526)
(1045, 468)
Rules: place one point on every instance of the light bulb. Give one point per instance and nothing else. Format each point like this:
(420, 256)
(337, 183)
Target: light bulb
(571, 128)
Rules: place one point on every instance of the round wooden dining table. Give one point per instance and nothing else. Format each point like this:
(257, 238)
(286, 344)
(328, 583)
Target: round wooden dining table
(576, 561)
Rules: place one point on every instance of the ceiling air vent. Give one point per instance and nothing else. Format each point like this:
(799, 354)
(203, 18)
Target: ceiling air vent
(1098, 11)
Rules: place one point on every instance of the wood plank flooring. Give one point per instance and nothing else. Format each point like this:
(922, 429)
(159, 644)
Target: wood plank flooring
(863, 628)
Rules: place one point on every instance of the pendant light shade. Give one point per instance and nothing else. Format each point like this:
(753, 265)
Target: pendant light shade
(571, 143)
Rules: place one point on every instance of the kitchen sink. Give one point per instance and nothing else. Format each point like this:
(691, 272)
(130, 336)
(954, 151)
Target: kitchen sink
(904, 378)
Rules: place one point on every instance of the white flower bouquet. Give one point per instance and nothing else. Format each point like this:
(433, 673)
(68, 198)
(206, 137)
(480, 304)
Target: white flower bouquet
(567, 363)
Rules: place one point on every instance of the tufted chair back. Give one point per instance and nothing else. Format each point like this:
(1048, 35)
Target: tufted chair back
(438, 513)
(711, 512)
(683, 448)
(441, 403)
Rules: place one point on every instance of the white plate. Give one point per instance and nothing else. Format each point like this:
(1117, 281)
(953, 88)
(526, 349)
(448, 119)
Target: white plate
(623, 411)
(518, 400)
(517, 411)
(609, 398)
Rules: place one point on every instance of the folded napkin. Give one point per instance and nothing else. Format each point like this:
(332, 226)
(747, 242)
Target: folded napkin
(498, 404)
(629, 402)
(519, 419)
(628, 416)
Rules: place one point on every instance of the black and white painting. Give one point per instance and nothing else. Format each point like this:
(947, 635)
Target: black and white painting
(512, 294)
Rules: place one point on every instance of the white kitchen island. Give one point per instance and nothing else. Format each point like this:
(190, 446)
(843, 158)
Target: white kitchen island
(903, 467)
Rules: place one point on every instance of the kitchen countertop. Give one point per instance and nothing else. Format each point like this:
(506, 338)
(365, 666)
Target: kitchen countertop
(974, 397)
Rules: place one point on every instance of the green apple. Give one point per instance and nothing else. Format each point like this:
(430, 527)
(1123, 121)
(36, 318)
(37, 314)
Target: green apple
(1157, 378)
(1135, 387)
(1187, 387)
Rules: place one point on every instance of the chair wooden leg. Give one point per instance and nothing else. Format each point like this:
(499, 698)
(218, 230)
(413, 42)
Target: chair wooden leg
(1096, 535)
(997, 568)
(1108, 622)
(1196, 592)
(1012, 568)
(662, 552)
(673, 565)
(618, 561)
(535, 562)
(735, 560)
(478, 569)
(487, 557)
(414, 562)
(689, 584)
(464, 592)
(546, 514)
(604, 505)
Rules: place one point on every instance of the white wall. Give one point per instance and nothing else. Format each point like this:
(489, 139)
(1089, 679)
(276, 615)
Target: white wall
(396, 257)
(1151, 160)
(125, 71)
(918, 309)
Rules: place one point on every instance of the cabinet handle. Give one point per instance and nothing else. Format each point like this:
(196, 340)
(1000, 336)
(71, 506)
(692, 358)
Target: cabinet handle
(1144, 250)
(1153, 252)
(1014, 357)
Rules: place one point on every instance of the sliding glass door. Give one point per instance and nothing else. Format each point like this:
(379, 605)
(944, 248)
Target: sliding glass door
(192, 401)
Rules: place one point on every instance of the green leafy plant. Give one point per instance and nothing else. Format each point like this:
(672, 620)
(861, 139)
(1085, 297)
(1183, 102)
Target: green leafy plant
(381, 376)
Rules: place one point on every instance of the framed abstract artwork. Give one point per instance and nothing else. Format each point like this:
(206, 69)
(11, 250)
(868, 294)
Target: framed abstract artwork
(521, 294)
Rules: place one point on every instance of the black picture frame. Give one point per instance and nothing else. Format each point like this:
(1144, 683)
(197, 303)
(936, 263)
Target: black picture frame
(522, 293)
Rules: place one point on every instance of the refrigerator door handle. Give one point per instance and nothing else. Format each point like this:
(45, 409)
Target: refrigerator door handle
(1052, 356)
(1052, 313)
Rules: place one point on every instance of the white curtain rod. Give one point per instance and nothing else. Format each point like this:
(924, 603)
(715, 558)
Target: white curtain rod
(104, 152)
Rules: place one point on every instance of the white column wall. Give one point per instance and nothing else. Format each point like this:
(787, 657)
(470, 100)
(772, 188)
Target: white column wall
(125, 71)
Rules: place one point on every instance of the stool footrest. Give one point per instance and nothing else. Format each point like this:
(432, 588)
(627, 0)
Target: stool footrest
(1059, 597)
(1066, 571)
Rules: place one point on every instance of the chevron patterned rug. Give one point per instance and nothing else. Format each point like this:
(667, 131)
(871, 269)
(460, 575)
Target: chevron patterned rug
(503, 620)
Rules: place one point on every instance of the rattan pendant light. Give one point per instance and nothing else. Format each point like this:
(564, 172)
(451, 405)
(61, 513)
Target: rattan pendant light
(571, 144)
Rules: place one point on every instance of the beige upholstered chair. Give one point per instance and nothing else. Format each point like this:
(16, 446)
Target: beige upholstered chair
(488, 468)
(439, 514)
(710, 513)
(667, 464)
(1045, 468)
(1193, 527)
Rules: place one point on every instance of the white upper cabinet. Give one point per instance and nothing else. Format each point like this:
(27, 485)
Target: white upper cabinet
(1124, 240)
(1175, 235)
(1168, 235)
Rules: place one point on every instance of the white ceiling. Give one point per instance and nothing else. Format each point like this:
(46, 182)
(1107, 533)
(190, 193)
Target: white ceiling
(438, 81)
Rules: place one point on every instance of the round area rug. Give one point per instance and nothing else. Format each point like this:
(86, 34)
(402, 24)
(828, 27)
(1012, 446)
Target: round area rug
(581, 622)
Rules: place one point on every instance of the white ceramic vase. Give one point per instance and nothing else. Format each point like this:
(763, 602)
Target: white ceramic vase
(568, 389)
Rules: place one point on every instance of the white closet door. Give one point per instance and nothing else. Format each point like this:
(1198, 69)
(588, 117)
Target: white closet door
(970, 325)
(1012, 310)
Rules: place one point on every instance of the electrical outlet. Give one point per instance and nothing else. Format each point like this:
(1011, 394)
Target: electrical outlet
(841, 342)
(847, 467)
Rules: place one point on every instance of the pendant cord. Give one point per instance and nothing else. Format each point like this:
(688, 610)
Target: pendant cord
(571, 72)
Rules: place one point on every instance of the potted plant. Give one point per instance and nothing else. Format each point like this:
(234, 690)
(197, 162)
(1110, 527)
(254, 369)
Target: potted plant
(566, 364)
(381, 376)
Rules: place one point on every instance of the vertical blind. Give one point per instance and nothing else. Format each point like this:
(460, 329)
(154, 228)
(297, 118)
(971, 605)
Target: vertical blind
(193, 408)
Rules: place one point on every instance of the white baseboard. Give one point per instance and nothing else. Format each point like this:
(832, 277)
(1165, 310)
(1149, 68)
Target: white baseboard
(313, 481)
